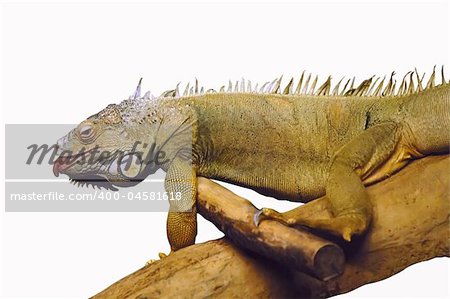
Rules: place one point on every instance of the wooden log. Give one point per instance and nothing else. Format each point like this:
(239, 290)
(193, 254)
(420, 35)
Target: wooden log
(410, 225)
(295, 248)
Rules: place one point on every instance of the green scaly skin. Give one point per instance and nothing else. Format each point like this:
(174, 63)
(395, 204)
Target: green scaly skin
(287, 145)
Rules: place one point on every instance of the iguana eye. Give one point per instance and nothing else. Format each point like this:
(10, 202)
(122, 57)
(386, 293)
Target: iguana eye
(86, 132)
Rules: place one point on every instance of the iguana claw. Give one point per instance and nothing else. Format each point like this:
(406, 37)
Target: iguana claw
(271, 214)
(161, 256)
(257, 217)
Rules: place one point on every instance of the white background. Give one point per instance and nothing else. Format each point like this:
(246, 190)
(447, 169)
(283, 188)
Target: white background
(63, 61)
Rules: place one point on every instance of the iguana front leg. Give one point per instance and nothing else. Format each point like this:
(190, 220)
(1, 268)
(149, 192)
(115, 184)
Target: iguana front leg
(377, 152)
(182, 219)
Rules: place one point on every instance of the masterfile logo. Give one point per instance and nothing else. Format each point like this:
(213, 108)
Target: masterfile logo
(31, 184)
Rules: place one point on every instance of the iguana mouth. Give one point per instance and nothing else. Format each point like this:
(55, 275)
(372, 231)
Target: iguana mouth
(64, 162)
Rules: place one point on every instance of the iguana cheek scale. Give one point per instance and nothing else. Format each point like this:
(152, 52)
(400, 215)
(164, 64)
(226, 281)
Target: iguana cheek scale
(295, 143)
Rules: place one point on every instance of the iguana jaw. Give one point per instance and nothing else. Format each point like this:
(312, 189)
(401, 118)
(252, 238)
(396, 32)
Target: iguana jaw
(85, 169)
(93, 180)
(64, 162)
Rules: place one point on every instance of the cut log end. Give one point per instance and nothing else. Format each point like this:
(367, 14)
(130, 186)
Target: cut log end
(329, 262)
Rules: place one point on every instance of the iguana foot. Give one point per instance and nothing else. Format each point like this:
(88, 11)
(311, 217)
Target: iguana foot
(345, 226)
(271, 214)
(161, 256)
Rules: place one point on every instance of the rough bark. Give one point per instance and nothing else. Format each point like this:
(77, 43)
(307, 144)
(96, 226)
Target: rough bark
(295, 248)
(410, 224)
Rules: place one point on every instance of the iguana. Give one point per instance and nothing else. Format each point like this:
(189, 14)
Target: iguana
(295, 143)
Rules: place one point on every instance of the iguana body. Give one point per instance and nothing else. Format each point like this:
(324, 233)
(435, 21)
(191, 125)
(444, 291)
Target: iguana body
(289, 145)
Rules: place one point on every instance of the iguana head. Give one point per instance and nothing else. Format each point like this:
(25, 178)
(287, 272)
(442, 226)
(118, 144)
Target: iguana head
(113, 147)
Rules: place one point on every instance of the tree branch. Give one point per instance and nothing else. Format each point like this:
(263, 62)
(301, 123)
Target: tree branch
(410, 224)
(295, 248)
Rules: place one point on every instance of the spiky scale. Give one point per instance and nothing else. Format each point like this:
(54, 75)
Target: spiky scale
(263, 87)
(388, 87)
(305, 88)
(276, 85)
(335, 91)
(362, 88)
(352, 83)
(168, 93)
(411, 84)
(324, 89)
(186, 90)
(345, 87)
(392, 91)
(419, 81)
(403, 86)
(313, 85)
(147, 95)
(288, 88)
(299, 85)
(137, 93)
(365, 88)
(430, 83)
(177, 90)
(377, 91)
(271, 85)
(372, 86)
